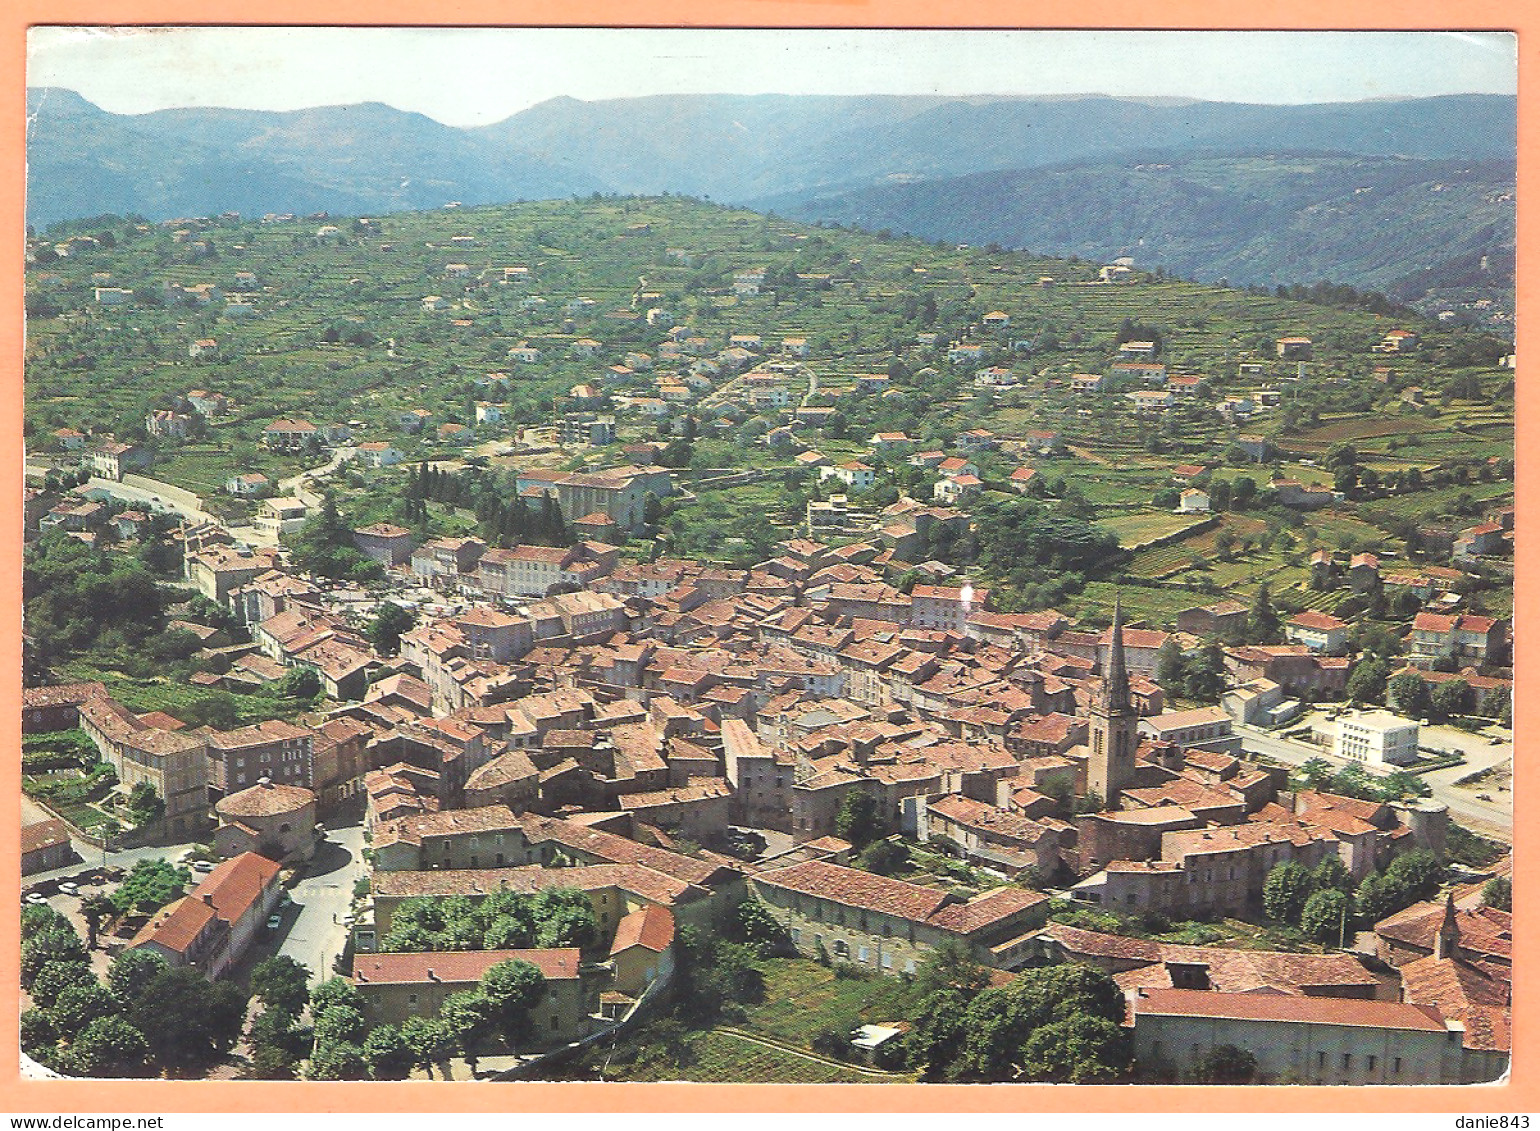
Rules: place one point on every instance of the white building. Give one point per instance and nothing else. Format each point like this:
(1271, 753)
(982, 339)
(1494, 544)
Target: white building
(1378, 738)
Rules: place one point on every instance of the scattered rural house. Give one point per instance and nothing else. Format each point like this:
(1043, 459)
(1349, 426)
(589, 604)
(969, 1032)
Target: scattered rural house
(1320, 632)
(112, 460)
(252, 485)
(378, 453)
(1193, 501)
(291, 435)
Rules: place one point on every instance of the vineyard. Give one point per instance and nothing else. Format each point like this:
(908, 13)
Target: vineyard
(722, 1057)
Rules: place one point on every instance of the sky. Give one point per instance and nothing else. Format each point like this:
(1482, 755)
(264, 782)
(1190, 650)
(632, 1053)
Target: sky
(476, 76)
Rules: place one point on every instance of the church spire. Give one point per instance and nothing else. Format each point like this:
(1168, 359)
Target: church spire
(1115, 693)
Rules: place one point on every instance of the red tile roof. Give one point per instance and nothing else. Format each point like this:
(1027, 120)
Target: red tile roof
(43, 834)
(651, 928)
(857, 889)
(458, 967)
(235, 885)
(1353, 1013)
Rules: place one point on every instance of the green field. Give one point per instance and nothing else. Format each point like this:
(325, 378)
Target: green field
(1139, 528)
(717, 1057)
(801, 1000)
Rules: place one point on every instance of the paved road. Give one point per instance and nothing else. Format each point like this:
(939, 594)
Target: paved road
(312, 931)
(151, 498)
(1494, 818)
(90, 854)
(295, 484)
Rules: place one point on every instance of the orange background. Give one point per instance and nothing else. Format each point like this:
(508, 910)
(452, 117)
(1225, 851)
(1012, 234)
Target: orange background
(17, 1096)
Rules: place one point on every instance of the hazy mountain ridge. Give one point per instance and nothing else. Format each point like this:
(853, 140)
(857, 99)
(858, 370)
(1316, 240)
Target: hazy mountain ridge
(1067, 175)
(1367, 221)
(364, 158)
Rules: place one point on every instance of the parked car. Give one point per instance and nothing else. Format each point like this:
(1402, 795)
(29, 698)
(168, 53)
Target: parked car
(203, 866)
(68, 887)
(36, 897)
(274, 922)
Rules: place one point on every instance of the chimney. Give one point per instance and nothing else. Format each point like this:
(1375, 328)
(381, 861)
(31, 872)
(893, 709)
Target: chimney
(432, 977)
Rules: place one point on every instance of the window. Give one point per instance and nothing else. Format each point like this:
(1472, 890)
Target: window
(865, 954)
(909, 966)
(1395, 1066)
(555, 1022)
(499, 857)
(1347, 1061)
(841, 948)
(887, 962)
(411, 999)
(1373, 1060)
(1320, 1061)
(473, 862)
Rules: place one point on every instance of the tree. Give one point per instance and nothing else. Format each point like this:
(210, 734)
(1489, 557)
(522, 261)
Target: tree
(1077, 1050)
(884, 857)
(187, 1019)
(472, 1021)
(1450, 699)
(96, 909)
(1419, 871)
(131, 972)
(339, 1060)
(56, 976)
(390, 621)
(277, 1044)
(1170, 667)
(1316, 772)
(271, 1062)
(563, 917)
(1204, 674)
(1225, 1064)
(52, 944)
(1331, 873)
(755, 924)
(339, 1024)
(335, 991)
(1265, 626)
(859, 819)
(1498, 893)
(1325, 916)
(387, 1053)
(77, 1006)
(109, 1046)
(39, 1039)
(149, 886)
(429, 1040)
(1408, 694)
(300, 683)
(1285, 891)
(281, 984)
(1379, 896)
(144, 805)
(1366, 683)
